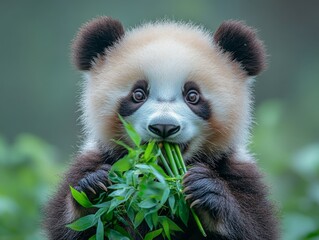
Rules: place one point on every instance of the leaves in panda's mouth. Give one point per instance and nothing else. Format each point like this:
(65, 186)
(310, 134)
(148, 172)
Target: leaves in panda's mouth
(146, 189)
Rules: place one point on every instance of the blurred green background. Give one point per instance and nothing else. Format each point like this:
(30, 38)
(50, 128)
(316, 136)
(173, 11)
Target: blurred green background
(40, 88)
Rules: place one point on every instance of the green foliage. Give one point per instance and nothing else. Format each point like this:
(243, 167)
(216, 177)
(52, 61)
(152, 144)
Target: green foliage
(28, 172)
(141, 191)
(293, 174)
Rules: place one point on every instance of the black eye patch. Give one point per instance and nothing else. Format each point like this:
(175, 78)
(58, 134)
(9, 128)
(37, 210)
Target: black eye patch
(202, 108)
(126, 105)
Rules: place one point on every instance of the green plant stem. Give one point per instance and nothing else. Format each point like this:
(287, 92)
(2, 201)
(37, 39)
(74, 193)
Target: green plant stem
(199, 224)
(180, 158)
(182, 163)
(178, 164)
(170, 158)
(163, 160)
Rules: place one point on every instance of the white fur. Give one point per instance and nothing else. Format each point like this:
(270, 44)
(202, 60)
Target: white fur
(168, 55)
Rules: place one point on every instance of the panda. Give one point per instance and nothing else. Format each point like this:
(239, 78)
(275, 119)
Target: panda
(176, 82)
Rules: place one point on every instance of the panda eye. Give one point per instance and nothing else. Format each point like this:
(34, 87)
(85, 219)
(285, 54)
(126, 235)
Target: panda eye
(138, 95)
(192, 97)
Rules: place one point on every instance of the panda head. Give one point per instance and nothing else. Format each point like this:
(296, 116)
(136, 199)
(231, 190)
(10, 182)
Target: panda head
(173, 81)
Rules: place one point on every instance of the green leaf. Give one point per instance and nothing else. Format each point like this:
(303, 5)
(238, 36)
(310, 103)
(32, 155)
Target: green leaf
(129, 177)
(148, 220)
(171, 203)
(100, 212)
(114, 203)
(147, 203)
(183, 211)
(130, 213)
(118, 142)
(129, 194)
(99, 230)
(118, 193)
(154, 234)
(103, 205)
(173, 226)
(155, 218)
(148, 168)
(165, 196)
(149, 150)
(115, 235)
(159, 169)
(122, 165)
(165, 224)
(122, 231)
(93, 237)
(118, 186)
(83, 223)
(81, 198)
(131, 132)
(138, 219)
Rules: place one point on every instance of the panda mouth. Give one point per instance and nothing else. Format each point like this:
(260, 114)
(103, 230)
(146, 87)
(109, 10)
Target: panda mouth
(184, 147)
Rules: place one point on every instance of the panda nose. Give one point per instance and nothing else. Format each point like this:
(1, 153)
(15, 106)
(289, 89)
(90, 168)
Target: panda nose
(164, 130)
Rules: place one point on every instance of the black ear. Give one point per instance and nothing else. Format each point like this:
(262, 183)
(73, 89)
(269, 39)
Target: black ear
(93, 38)
(242, 43)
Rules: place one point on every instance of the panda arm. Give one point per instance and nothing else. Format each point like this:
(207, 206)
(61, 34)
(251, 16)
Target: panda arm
(230, 200)
(88, 173)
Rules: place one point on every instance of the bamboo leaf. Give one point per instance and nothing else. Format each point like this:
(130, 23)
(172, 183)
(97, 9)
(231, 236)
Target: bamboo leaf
(165, 224)
(171, 203)
(149, 150)
(83, 223)
(155, 218)
(131, 132)
(183, 211)
(81, 198)
(173, 226)
(138, 219)
(147, 203)
(122, 231)
(148, 220)
(122, 165)
(99, 230)
(154, 234)
(118, 186)
(115, 235)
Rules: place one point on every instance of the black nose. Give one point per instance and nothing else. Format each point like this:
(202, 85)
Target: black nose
(164, 130)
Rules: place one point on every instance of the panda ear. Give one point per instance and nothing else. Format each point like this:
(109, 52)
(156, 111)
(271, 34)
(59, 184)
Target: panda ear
(241, 42)
(92, 40)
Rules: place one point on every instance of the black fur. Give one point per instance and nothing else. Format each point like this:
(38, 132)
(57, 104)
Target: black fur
(223, 191)
(93, 38)
(126, 105)
(242, 43)
(202, 108)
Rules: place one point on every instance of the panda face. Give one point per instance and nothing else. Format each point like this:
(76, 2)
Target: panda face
(169, 112)
(167, 104)
(172, 84)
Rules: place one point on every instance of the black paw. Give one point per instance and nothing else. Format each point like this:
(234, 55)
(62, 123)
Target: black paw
(95, 183)
(202, 190)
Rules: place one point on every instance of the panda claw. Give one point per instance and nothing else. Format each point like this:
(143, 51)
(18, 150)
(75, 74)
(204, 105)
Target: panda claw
(196, 202)
(102, 186)
(185, 190)
(91, 189)
(188, 197)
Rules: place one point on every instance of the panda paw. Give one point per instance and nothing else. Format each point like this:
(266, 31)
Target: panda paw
(202, 190)
(95, 183)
